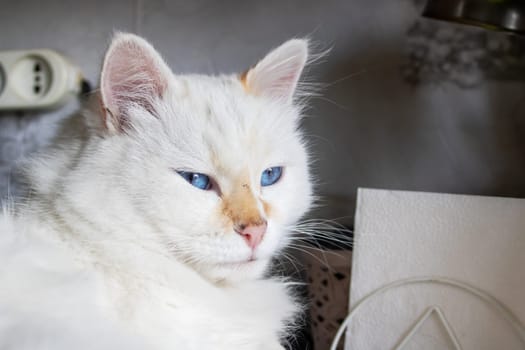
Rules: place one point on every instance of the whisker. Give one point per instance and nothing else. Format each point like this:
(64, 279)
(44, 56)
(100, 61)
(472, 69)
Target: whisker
(300, 249)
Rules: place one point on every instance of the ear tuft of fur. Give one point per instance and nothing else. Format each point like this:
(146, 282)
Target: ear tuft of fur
(277, 74)
(133, 75)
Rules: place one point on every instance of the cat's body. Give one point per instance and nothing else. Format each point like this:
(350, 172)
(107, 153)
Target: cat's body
(117, 246)
(76, 297)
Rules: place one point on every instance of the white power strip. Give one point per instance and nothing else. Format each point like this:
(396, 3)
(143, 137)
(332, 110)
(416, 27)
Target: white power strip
(36, 79)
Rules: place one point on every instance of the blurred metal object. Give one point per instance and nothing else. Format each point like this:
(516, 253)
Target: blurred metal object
(500, 15)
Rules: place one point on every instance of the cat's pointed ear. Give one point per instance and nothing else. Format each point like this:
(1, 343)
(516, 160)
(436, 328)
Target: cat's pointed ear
(277, 74)
(133, 75)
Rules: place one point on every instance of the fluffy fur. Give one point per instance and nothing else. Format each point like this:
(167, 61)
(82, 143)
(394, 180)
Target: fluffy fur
(114, 249)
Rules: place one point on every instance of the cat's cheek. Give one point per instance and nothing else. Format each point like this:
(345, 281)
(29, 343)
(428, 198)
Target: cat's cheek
(295, 200)
(279, 199)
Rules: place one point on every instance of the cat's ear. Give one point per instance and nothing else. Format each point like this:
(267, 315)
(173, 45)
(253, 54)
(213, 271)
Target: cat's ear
(277, 74)
(133, 76)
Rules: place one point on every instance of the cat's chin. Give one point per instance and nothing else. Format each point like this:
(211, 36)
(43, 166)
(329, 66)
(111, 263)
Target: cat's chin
(235, 271)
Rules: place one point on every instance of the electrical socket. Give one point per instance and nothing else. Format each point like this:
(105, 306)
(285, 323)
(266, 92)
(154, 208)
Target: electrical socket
(36, 79)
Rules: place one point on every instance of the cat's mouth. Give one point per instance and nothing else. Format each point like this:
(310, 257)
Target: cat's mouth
(240, 263)
(251, 260)
(237, 269)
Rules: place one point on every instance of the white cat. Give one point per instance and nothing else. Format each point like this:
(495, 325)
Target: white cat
(152, 224)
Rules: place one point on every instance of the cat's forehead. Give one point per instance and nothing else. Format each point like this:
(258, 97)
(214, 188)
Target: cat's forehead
(214, 97)
(221, 122)
(221, 105)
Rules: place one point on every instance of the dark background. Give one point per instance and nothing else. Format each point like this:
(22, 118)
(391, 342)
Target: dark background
(408, 103)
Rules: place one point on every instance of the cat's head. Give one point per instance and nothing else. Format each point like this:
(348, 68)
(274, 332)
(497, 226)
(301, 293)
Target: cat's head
(215, 165)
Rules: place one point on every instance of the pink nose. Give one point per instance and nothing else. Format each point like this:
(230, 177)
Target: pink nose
(252, 234)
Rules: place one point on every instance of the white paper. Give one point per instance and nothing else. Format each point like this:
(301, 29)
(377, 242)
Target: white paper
(475, 240)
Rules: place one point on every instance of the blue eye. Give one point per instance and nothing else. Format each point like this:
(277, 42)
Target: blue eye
(271, 175)
(198, 180)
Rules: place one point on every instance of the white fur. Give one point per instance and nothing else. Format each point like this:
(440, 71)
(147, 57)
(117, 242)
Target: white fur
(114, 249)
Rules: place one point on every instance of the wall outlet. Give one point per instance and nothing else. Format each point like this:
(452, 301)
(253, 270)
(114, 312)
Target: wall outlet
(36, 79)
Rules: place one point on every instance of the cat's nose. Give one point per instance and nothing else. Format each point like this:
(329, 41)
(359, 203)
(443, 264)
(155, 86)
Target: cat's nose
(252, 234)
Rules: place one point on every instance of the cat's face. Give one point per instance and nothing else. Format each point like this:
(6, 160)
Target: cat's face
(219, 167)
